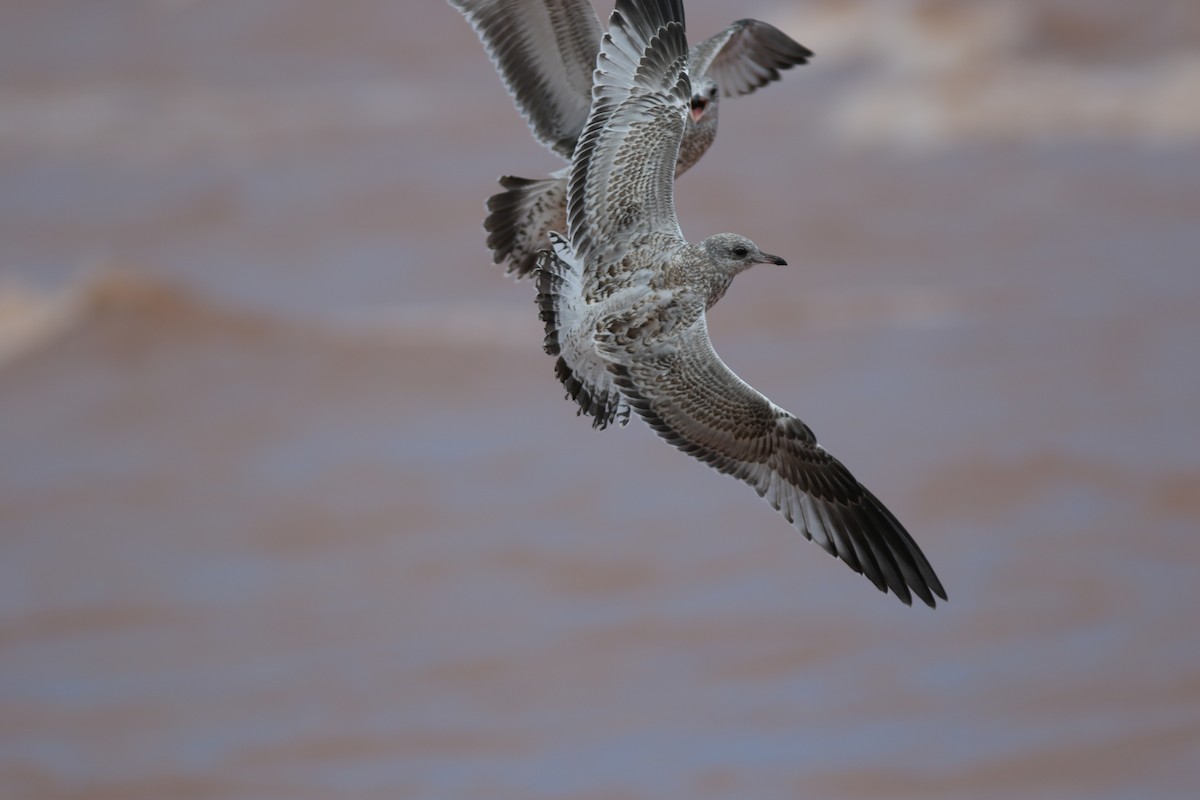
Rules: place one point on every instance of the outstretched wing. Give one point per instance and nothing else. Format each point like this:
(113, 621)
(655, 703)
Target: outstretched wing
(623, 171)
(545, 51)
(746, 55)
(690, 398)
(579, 368)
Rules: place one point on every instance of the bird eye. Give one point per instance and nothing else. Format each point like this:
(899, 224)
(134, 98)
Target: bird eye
(712, 91)
(740, 251)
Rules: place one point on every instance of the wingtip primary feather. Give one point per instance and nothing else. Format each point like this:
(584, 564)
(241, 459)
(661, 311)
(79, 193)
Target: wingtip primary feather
(557, 283)
(839, 514)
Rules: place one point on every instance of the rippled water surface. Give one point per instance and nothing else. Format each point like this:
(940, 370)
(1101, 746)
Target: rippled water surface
(291, 504)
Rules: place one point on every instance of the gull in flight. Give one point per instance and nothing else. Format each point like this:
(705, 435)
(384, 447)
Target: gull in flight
(545, 51)
(624, 297)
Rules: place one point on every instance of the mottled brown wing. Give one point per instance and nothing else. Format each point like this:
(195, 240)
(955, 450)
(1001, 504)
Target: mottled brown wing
(690, 397)
(623, 172)
(748, 54)
(545, 51)
(570, 337)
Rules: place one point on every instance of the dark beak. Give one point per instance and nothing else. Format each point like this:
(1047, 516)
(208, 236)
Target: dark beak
(767, 258)
(699, 104)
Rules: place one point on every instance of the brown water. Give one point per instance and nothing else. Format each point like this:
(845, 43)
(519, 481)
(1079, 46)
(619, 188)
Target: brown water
(291, 504)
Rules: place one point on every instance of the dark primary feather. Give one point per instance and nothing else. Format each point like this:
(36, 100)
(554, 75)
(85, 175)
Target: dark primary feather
(695, 402)
(565, 314)
(602, 402)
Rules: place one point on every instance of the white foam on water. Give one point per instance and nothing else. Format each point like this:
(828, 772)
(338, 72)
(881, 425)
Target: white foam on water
(31, 316)
(930, 74)
(149, 124)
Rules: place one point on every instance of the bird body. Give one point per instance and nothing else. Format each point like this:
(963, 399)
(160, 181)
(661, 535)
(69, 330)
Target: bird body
(624, 298)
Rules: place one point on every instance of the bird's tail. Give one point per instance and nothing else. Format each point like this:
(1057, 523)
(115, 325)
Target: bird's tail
(521, 218)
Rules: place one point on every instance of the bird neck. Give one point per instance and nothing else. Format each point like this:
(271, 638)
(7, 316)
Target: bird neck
(697, 138)
(717, 284)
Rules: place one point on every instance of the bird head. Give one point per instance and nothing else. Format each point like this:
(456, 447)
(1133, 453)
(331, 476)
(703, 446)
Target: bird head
(704, 99)
(734, 253)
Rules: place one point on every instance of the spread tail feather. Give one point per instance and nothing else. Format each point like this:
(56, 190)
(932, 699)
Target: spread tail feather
(520, 219)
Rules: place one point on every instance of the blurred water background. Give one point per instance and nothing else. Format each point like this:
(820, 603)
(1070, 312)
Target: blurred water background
(291, 505)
